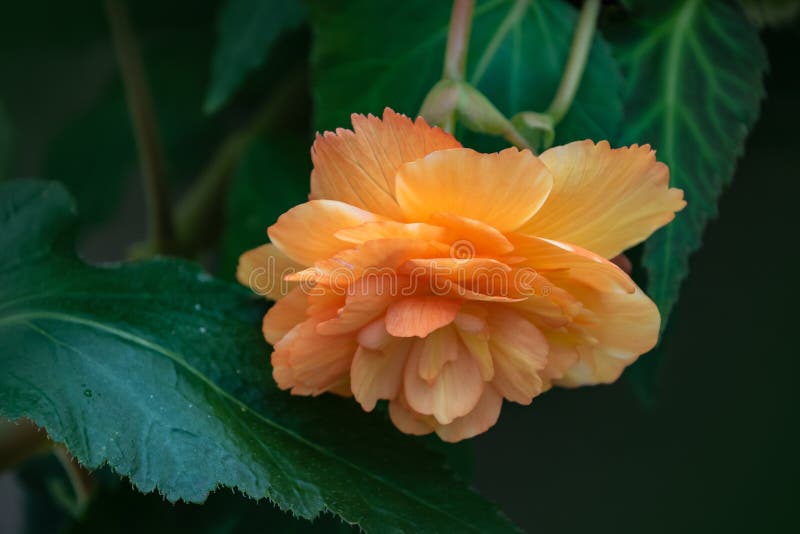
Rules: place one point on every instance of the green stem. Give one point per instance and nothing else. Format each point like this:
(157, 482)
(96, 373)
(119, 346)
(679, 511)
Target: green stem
(145, 128)
(578, 55)
(81, 480)
(455, 56)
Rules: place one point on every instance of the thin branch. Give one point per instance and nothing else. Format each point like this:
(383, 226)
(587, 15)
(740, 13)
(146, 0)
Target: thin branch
(82, 482)
(145, 128)
(455, 56)
(204, 202)
(578, 55)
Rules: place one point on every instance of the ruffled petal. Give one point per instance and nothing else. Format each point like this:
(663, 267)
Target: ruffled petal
(519, 352)
(454, 393)
(305, 233)
(262, 269)
(377, 374)
(419, 316)
(604, 200)
(479, 420)
(504, 189)
(284, 315)
(299, 363)
(359, 166)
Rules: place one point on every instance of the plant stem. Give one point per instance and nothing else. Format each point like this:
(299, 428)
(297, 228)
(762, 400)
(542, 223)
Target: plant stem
(455, 56)
(145, 128)
(203, 203)
(578, 55)
(81, 480)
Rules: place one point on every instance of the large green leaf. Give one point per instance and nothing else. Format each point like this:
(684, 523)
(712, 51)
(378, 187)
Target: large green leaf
(159, 370)
(693, 85)
(517, 54)
(247, 29)
(272, 177)
(694, 74)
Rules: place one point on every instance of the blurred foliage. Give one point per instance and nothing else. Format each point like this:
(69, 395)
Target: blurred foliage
(247, 29)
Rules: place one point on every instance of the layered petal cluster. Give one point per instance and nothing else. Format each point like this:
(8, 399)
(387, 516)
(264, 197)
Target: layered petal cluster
(445, 280)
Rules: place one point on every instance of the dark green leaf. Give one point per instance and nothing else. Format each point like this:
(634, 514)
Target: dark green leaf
(694, 83)
(160, 371)
(516, 57)
(247, 29)
(272, 178)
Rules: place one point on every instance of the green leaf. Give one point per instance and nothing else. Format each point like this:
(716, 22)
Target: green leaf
(247, 29)
(694, 82)
(160, 371)
(517, 54)
(272, 177)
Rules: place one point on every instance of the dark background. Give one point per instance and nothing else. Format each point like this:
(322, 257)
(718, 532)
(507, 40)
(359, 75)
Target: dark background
(716, 451)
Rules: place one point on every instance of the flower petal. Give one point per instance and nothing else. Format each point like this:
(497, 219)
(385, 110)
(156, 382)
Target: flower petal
(377, 374)
(284, 315)
(305, 233)
(503, 189)
(454, 393)
(262, 269)
(419, 316)
(359, 166)
(619, 328)
(479, 420)
(604, 200)
(407, 420)
(519, 352)
(299, 363)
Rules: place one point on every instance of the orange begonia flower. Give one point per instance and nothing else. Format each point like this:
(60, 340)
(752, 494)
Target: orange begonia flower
(445, 280)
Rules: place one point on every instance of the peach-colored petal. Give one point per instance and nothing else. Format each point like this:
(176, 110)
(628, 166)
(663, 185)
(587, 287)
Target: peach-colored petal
(298, 362)
(479, 420)
(392, 229)
(284, 315)
(366, 299)
(553, 259)
(472, 237)
(359, 166)
(619, 328)
(477, 343)
(503, 189)
(374, 258)
(519, 351)
(377, 374)
(262, 269)
(604, 200)
(408, 421)
(438, 348)
(454, 393)
(419, 316)
(305, 233)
